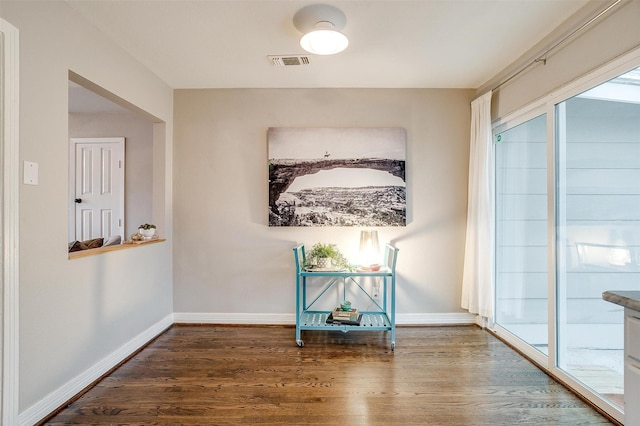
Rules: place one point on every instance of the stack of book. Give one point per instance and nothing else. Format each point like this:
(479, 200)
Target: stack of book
(347, 317)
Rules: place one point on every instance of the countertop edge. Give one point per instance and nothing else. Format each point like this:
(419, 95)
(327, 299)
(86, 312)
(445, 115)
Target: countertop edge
(627, 299)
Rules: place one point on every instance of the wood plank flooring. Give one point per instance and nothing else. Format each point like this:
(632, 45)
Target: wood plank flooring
(257, 375)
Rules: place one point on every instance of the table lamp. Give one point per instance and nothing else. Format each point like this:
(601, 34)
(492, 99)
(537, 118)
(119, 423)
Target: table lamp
(369, 249)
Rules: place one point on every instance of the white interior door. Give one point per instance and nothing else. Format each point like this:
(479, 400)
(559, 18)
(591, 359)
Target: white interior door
(97, 168)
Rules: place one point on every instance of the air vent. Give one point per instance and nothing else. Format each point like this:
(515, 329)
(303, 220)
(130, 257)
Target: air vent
(287, 60)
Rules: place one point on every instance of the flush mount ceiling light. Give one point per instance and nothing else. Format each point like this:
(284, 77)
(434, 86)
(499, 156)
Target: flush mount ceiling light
(321, 25)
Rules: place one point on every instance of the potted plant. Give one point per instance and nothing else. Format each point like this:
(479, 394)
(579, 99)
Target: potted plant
(326, 256)
(147, 230)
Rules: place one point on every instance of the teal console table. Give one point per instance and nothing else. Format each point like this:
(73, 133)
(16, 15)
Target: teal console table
(382, 318)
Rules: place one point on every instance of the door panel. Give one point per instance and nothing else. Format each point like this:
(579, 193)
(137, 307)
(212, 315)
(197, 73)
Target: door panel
(521, 227)
(597, 235)
(99, 187)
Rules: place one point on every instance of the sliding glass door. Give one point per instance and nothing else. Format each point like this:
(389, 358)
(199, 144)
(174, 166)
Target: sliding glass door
(553, 262)
(521, 231)
(598, 228)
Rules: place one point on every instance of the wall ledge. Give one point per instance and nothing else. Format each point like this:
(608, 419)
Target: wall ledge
(106, 249)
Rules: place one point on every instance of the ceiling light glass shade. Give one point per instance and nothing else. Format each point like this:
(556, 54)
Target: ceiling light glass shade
(324, 40)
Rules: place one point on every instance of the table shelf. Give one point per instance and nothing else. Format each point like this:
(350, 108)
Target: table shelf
(377, 320)
(317, 320)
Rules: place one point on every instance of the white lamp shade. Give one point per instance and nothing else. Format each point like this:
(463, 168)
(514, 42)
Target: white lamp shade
(324, 41)
(369, 247)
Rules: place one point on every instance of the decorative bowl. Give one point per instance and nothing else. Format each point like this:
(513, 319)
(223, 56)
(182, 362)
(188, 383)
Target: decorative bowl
(147, 233)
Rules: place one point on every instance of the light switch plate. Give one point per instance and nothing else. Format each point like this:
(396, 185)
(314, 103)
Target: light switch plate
(30, 173)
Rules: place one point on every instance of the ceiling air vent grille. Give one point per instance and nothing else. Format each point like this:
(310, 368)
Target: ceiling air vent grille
(287, 60)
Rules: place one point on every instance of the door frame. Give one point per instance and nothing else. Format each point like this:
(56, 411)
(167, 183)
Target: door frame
(9, 284)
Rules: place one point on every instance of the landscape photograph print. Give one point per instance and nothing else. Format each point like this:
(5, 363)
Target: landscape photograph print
(337, 176)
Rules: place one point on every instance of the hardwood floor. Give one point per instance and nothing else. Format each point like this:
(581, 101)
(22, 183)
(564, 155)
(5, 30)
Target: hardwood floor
(257, 375)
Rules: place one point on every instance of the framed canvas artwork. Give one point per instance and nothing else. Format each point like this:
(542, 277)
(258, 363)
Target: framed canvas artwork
(337, 176)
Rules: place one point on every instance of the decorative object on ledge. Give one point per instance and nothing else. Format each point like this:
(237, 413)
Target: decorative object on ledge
(75, 246)
(337, 176)
(147, 230)
(143, 241)
(85, 245)
(325, 257)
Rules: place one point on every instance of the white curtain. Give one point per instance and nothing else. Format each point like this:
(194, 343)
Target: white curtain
(477, 278)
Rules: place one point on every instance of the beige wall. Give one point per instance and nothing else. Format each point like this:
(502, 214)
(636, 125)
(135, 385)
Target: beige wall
(74, 313)
(226, 258)
(138, 132)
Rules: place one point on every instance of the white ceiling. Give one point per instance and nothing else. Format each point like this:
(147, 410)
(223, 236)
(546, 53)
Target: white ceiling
(393, 43)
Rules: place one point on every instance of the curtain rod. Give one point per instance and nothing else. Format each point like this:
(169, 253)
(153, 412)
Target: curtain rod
(543, 57)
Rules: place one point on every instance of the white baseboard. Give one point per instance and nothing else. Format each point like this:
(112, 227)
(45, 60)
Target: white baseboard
(55, 399)
(290, 319)
(233, 318)
(449, 318)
